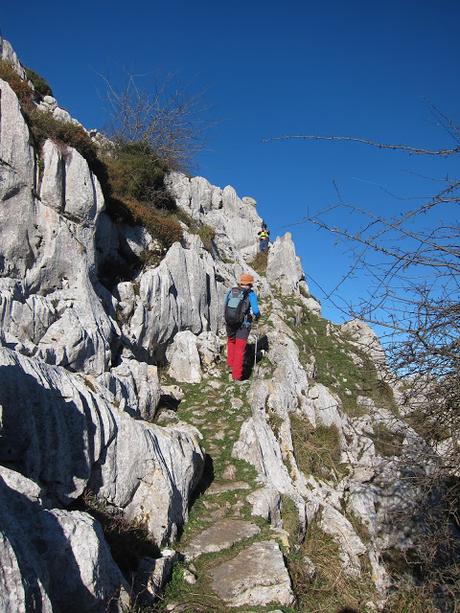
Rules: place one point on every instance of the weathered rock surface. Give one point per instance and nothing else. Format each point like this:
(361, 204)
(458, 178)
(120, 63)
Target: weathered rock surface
(256, 576)
(135, 387)
(284, 271)
(365, 339)
(266, 503)
(182, 293)
(234, 220)
(221, 535)
(151, 576)
(78, 384)
(59, 433)
(47, 251)
(183, 358)
(52, 559)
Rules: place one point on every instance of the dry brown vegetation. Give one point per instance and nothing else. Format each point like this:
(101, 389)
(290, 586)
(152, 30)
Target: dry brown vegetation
(327, 588)
(317, 450)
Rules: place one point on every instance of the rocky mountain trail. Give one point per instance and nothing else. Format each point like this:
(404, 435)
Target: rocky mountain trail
(223, 535)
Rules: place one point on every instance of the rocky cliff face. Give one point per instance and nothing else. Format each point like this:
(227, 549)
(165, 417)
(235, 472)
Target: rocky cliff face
(85, 412)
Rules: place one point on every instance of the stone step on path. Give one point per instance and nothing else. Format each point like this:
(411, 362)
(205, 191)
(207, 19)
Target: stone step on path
(221, 535)
(229, 486)
(256, 576)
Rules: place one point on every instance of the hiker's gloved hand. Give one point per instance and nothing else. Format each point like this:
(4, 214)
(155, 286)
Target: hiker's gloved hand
(257, 317)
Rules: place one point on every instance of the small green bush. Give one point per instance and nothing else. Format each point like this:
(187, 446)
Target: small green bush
(207, 234)
(44, 125)
(136, 173)
(40, 84)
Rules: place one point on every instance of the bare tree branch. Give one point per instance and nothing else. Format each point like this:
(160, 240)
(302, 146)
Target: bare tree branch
(365, 141)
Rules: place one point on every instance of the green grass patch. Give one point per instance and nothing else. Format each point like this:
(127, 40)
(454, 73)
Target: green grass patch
(290, 515)
(336, 368)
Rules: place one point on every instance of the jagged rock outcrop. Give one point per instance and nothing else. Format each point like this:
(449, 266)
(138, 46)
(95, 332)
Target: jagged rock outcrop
(73, 438)
(234, 220)
(182, 293)
(48, 254)
(285, 273)
(52, 559)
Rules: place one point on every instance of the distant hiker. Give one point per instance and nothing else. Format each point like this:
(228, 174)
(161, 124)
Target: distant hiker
(241, 307)
(264, 237)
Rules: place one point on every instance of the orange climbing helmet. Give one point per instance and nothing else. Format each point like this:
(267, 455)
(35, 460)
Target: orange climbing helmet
(246, 279)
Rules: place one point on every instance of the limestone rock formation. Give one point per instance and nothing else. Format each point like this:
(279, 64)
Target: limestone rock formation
(74, 438)
(256, 576)
(52, 559)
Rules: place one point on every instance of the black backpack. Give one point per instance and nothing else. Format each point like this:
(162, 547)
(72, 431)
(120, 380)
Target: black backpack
(237, 306)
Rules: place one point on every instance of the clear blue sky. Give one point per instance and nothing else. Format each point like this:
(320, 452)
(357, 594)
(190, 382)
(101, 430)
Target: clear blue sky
(295, 67)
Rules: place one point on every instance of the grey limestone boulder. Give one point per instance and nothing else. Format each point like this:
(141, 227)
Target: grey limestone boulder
(283, 266)
(135, 387)
(182, 293)
(266, 503)
(221, 535)
(338, 526)
(183, 358)
(60, 433)
(285, 273)
(53, 560)
(256, 576)
(364, 337)
(234, 220)
(258, 446)
(8, 54)
(47, 250)
(326, 406)
(17, 180)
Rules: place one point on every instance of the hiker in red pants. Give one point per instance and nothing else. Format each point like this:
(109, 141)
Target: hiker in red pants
(241, 307)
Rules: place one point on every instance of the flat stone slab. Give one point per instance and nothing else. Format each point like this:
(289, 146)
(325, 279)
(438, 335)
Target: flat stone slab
(220, 488)
(222, 535)
(257, 576)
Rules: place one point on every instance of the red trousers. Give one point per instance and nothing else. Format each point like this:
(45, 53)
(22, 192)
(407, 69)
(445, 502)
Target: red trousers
(235, 356)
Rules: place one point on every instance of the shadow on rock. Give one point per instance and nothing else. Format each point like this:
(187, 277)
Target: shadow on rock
(254, 353)
(36, 544)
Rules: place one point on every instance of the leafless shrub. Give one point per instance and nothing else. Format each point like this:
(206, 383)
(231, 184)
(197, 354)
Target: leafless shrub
(165, 117)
